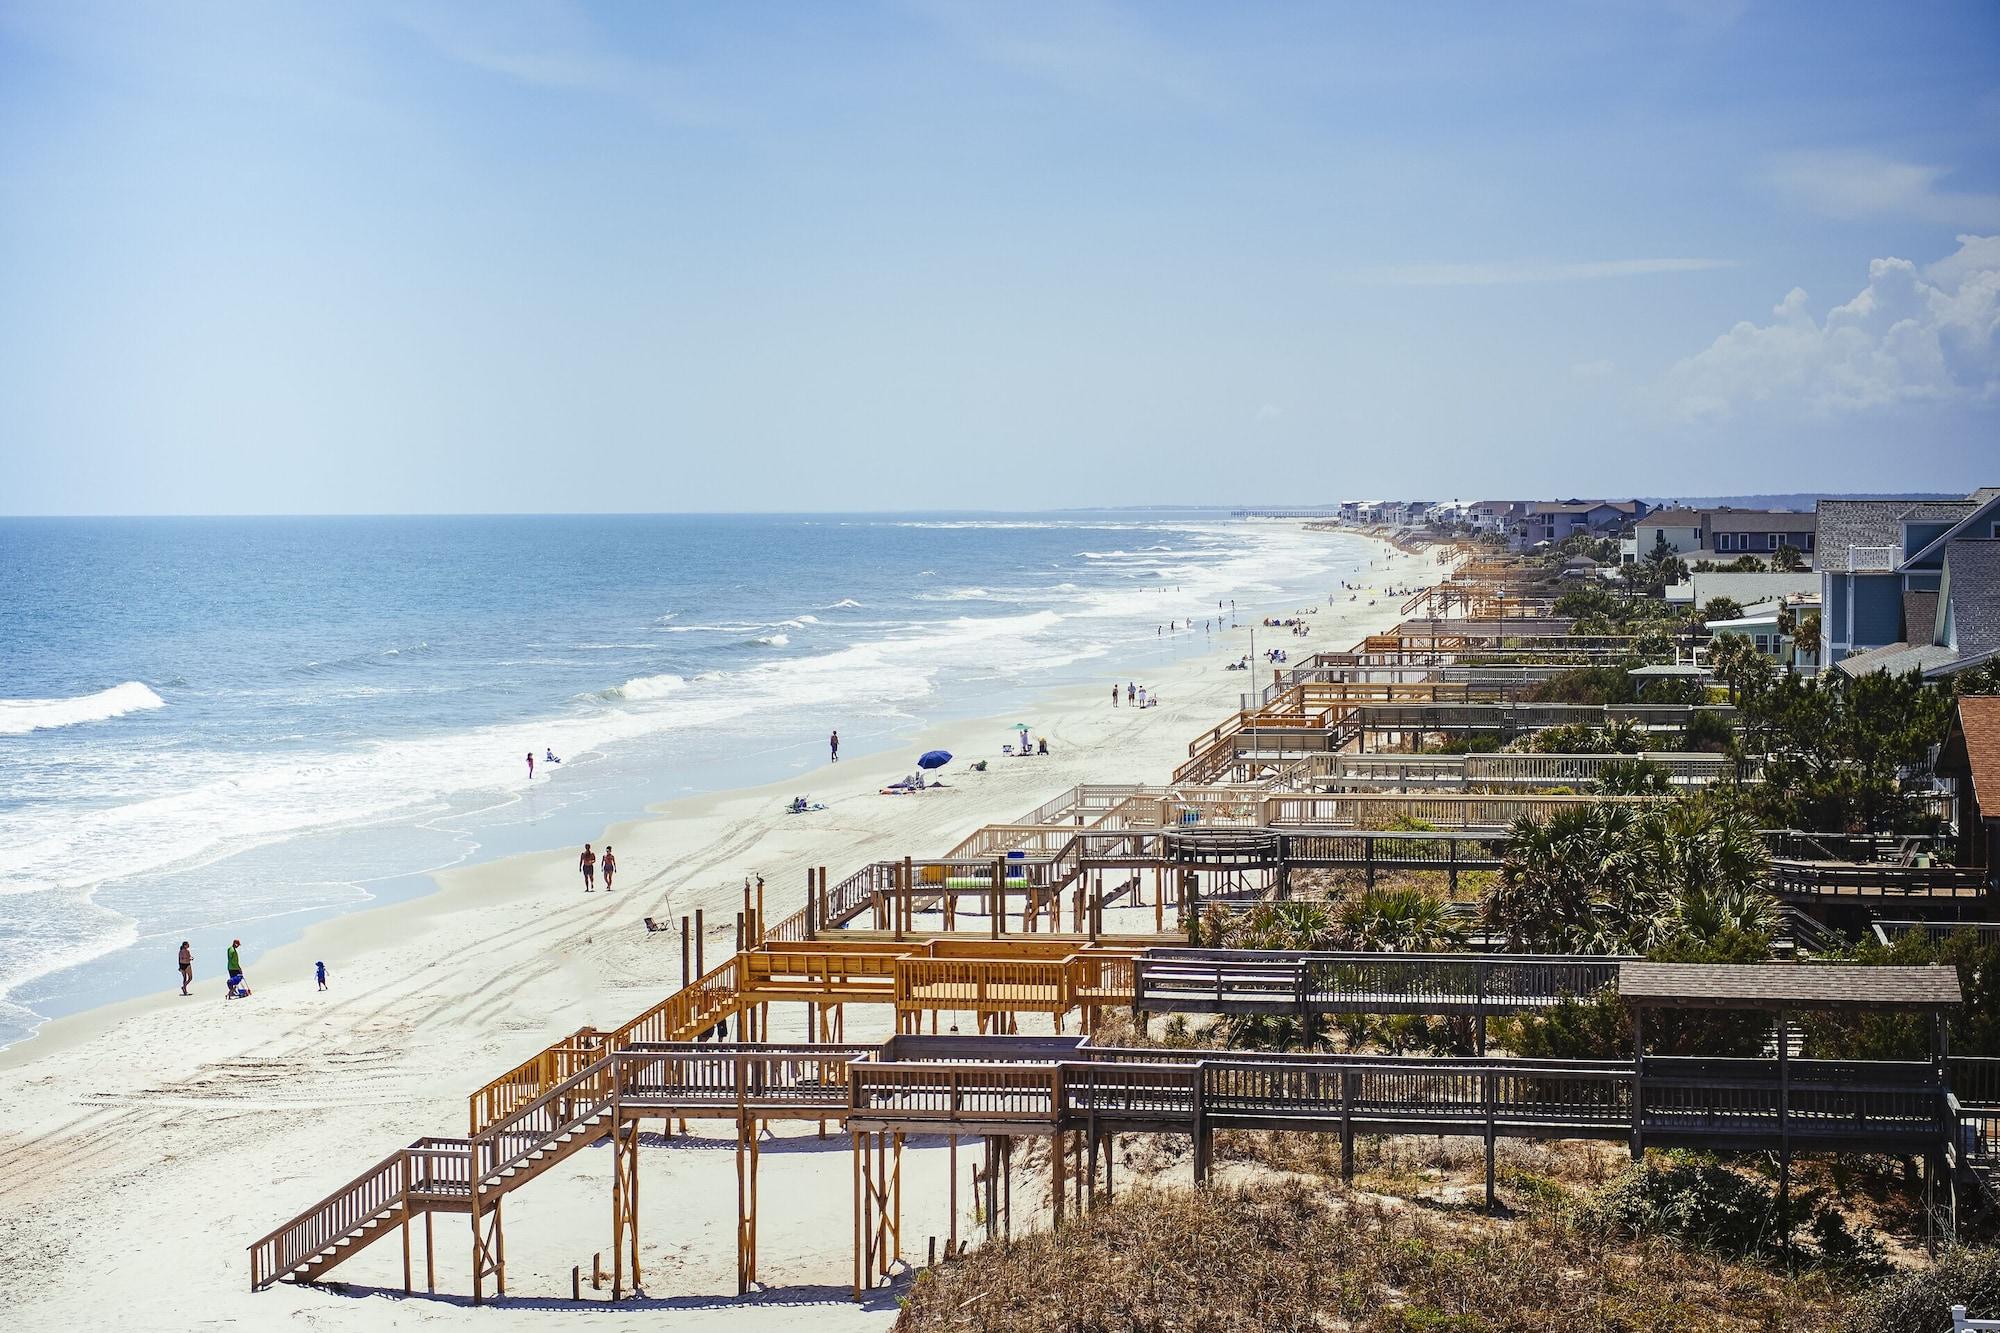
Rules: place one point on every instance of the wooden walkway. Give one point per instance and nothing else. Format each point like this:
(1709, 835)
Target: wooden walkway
(1078, 1094)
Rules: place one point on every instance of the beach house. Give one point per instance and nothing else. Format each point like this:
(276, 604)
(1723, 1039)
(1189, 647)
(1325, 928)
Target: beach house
(1871, 555)
(1554, 521)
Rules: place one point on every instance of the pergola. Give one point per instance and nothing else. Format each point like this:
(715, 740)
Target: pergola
(1783, 989)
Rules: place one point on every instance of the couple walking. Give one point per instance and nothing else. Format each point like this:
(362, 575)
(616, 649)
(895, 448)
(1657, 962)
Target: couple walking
(235, 988)
(590, 863)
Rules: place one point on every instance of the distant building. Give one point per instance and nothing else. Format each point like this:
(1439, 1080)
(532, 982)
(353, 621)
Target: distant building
(1723, 534)
(1541, 521)
(1910, 584)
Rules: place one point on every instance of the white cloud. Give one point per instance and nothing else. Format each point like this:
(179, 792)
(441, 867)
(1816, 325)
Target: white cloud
(1865, 185)
(1929, 335)
(1510, 272)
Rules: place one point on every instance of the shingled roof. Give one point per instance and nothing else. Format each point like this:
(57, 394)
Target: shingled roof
(1972, 568)
(1972, 749)
(1787, 986)
(1849, 523)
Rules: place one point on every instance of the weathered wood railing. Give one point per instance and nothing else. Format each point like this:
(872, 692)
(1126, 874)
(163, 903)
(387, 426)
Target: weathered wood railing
(1256, 981)
(429, 1170)
(1830, 879)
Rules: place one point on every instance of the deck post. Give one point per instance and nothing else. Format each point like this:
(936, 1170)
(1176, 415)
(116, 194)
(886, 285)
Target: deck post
(1201, 1133)
(856, 1157)
(699, 931)
(996, 914)
(812, 900)
(951, 1175)
(747, 1151)
(1489, 1093)
(825, 901)
(430, 1257)
(1347, 1126)
(625, 1203)
(405, 1228)
(1056, 1177)
(1785, 1133)
(685, 978)
(1638, 1082)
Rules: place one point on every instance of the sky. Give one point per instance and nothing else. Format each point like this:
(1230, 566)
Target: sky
(405, 257)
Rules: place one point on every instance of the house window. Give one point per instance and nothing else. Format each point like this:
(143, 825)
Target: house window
(1763, 643)
(1723, 541)
(1773, 539)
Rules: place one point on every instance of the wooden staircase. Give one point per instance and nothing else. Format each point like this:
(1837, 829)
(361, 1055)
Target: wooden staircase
(431, 1175)
(441, 1175)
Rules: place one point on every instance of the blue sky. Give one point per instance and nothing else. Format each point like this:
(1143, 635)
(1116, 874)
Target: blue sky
(409, 257)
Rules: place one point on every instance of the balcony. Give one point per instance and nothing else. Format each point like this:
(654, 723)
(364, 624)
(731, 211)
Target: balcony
(1870, 559)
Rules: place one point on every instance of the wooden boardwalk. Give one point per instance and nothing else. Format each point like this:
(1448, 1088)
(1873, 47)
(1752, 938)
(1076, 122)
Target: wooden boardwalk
(1083, 1096)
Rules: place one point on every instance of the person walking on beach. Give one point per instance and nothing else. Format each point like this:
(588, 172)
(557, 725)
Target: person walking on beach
(1114, 694)
(319, 974)
(531, 765)
(233, 965)
(187, 966)
(587, 863)
(609, 865)
(1131, 691)
(833, 748)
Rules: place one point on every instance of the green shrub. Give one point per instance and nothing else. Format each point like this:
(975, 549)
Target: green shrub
(1702, 1203)
(1921, 1301)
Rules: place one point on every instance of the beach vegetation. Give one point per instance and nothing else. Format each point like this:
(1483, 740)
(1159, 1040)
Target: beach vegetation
(1298, 1254)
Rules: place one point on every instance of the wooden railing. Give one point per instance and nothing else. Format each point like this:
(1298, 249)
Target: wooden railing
(569, 1107)
(1245, 980)
(691, 1076)
(1829, 879)
(1360, 772)
(428, 1169)
(944, 1095)
(1376, 810)
(984, 986)
(535, 1075)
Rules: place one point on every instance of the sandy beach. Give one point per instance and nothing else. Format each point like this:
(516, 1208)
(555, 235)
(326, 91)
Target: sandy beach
(147, 1143)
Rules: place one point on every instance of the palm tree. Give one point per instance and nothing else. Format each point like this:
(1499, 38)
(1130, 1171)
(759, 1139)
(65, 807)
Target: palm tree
(1399, 921)
(1556, 873)
(1703, 915)
(1805, 635)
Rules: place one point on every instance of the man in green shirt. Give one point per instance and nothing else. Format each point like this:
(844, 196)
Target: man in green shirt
(234, 970)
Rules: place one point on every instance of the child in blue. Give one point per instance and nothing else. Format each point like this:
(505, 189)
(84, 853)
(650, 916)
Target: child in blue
(319, 972)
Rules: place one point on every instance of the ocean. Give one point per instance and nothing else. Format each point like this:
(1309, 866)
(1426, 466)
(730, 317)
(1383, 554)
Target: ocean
(216, 726)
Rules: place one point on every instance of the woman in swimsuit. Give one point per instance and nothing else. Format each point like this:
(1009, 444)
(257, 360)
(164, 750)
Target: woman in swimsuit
(187, 966)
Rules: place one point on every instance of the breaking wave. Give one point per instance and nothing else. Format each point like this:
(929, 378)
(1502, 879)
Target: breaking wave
(18, 717)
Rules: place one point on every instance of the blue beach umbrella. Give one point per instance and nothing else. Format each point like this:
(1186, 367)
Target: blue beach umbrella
(934, 759)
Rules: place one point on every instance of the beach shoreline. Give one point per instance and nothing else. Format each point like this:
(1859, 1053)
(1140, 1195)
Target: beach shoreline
(247, 1111)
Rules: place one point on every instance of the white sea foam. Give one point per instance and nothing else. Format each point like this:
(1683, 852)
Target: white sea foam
(18, 717)
(648, 687)
(772, 640)
(844, 604)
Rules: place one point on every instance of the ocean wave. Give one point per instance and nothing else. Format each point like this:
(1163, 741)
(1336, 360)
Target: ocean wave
(844, 604)
(18, 717)
(960, 595)
(713, 629)
(769, 641)
(646, 687)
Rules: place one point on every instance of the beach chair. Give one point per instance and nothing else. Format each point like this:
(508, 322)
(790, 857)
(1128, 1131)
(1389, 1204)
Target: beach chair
(653, 926)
